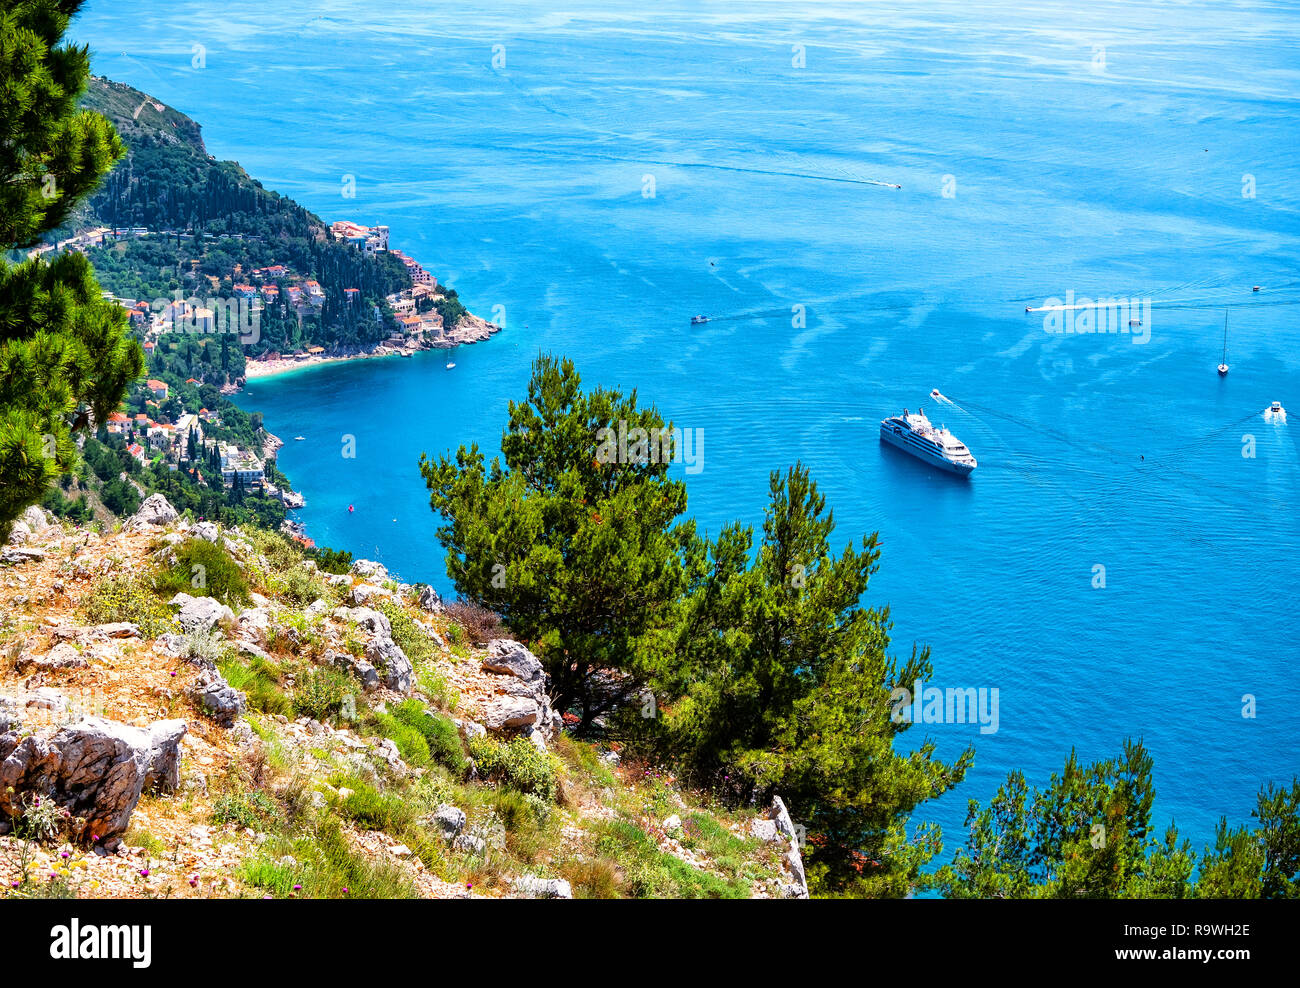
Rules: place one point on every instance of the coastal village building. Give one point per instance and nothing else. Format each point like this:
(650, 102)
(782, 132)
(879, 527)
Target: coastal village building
(236, 462)
(157, 388)
(161, 436)
(419, 276)
(372, 240)
(188, 422)
(182, 317)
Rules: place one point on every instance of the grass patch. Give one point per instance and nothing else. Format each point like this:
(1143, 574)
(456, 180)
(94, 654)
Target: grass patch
(250, 808)
(410, 742)
(126, 598)
(260, 681)
(727, 851)
(152, 846)
(648, 873)
(325, 866)
(408, 635)
(527, 819)
(435, 686)
(371, 809)
(584, 760)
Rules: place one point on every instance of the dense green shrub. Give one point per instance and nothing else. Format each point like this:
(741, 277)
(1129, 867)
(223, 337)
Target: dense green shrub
(518, 764)
(440, 734)
(323, 694)
(205, 569)
(333, 560)
(410, 742)
(300, 587)
(281, 553)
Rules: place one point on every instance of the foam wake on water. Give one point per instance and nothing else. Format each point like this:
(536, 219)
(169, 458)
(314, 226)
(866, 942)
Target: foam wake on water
(943, 399)
(1102, 463)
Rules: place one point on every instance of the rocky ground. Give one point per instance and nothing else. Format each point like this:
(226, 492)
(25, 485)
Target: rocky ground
(272, 730)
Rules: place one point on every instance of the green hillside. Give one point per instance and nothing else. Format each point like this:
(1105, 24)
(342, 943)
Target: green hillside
(210, 224)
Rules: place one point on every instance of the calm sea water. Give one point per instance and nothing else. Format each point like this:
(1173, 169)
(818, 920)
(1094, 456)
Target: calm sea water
(1109, 150)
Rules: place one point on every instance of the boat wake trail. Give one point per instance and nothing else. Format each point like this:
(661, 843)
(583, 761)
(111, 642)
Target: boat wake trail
(1166, 462)
(943, 399)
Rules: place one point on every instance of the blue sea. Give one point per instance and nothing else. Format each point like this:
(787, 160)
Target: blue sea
(593, 178)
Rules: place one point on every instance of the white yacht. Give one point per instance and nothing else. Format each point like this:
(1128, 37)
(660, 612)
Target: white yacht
(913, 433)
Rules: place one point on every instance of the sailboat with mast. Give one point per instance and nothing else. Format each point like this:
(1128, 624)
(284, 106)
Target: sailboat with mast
(1223, 366)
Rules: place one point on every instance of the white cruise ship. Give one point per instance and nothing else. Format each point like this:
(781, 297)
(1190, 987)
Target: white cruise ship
(913, 433)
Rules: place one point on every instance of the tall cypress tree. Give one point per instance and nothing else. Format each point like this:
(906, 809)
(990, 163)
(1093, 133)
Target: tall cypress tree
(65, 354)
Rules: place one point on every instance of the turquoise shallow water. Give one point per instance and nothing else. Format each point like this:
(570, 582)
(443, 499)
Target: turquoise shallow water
(1101, 151)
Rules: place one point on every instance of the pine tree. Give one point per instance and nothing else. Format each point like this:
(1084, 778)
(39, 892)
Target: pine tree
(65, 353)
(579, 556)
(787, 688)
(1088, 835)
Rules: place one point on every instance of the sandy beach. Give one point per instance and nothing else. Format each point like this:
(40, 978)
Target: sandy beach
(255, 369)
(472, 329)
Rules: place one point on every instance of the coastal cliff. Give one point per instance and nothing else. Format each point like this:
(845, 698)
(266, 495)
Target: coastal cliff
(286, 731)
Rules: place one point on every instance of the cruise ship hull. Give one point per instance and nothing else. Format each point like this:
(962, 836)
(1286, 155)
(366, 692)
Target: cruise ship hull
(905, 443)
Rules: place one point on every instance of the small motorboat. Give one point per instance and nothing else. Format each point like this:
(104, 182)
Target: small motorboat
(1257, 288)
(1275, 411)
(1223, 364)
(699, 320)
(1135, 322)
(934, 393)
(451, 364)
(299, 439)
